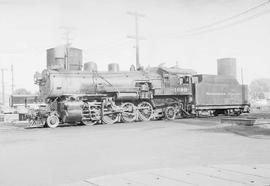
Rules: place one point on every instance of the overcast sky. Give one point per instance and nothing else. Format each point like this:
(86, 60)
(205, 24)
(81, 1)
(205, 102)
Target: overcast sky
(100, 27)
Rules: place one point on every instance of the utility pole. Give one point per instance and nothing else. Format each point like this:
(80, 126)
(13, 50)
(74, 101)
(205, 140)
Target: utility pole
(3, 86)
(67, 44)
(12, 79)
(242, 76)
(243, 87)
(136, 37)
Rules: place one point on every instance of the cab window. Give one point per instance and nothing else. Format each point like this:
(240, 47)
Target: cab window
(186, 80)
(181, 80)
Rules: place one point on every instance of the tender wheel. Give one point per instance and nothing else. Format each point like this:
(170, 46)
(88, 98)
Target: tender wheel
(145, 110)
(129, 112)
(237, 113)
(170, 113)
(52, 121)
(215, 113)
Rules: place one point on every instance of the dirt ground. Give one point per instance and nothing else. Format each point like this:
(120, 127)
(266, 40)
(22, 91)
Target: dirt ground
(44, 156)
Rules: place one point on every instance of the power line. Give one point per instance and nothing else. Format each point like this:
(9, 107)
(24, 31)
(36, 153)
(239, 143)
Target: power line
(232, 24)
(67, 32)
(68, 44)
(211, 27)
(229, 18)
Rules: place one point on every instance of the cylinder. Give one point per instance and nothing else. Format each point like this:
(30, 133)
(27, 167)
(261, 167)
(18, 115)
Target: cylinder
(113, 67)
(90, 67)
(226, 67)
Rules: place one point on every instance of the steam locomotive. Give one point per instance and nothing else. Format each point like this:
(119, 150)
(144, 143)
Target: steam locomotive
(90, 97)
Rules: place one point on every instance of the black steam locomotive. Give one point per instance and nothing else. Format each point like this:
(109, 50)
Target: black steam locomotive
(89, 96)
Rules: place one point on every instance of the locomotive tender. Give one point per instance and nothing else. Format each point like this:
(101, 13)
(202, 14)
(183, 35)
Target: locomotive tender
(90, 96)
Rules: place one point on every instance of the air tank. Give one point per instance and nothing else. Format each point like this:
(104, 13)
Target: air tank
(113, 67)
(90, 67)
(226, 67)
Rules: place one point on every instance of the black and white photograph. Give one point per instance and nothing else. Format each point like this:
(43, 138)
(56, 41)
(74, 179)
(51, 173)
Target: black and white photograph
(134, 92)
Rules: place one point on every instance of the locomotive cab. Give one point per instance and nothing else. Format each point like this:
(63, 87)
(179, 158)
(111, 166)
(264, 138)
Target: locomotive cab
(176, 81)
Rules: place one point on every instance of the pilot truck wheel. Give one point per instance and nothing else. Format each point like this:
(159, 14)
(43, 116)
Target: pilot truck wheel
(52, 121)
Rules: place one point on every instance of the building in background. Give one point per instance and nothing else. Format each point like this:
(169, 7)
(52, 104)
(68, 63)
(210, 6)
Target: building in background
(64, 58)
(22, 103)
